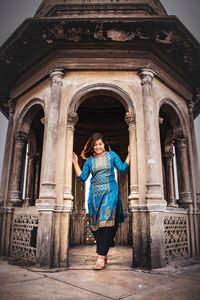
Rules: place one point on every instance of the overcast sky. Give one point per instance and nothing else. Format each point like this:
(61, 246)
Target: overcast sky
(13, 12)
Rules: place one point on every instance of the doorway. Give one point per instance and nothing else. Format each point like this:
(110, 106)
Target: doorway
(100, 113)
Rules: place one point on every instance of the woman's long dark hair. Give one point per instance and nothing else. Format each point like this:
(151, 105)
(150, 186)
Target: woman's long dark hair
(88, 150)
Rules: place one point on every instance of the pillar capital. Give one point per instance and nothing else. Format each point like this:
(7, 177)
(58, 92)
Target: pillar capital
(168, 155)
(190, 107)
(147, 76)
(178, 134)
(12, 105)
(21, 137)
(57, 75)
(33, 156)
(72, 119)
(197, 93)
(130, 119)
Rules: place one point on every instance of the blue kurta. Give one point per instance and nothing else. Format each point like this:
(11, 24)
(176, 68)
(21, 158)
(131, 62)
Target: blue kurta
(104, 203)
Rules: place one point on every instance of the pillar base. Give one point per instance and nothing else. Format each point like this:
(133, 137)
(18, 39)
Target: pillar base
(16, 199)
(53, 235)
(148, 238)
(185, 200)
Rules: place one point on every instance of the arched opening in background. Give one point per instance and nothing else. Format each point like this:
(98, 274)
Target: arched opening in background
(171, 135)
(32, 126)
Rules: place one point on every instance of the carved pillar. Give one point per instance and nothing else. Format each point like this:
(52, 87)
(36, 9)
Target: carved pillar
(153, 152)
(48, 185)
(147, 224)
(7, 155)
(72, 119)
(47, 237)
(170, 179)
(184, 183)
(21, 140)
(30, 182)
(133, 197)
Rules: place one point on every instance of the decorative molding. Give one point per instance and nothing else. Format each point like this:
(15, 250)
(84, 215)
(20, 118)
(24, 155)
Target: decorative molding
(66, 208)
(106, 89)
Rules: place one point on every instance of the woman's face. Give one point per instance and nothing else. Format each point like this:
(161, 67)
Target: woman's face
(99, 147)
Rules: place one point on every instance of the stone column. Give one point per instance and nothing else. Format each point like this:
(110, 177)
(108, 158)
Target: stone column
(46, 204)
(21, 140)
(153, 152)
(30, 179)
(181, 148)
(131, 122)
(7, 155)
(72, 119)
(168, 157)
(148, 224)
(48, 186)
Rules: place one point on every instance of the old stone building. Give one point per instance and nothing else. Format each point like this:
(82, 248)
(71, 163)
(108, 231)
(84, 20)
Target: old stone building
(124, 68)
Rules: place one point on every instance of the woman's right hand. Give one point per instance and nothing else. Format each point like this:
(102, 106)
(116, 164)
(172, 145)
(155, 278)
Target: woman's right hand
(74, 158)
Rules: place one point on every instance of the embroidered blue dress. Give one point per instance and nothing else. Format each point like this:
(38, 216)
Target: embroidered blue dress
(104, 203)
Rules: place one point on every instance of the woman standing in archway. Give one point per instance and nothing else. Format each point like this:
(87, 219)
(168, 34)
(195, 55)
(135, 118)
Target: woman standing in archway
(104, 203)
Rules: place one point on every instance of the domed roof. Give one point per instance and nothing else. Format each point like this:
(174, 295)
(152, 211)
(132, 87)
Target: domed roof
(100, 8)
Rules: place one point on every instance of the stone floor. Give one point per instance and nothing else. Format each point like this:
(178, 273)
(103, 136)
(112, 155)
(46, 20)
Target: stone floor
(84, 257)
(178, 281)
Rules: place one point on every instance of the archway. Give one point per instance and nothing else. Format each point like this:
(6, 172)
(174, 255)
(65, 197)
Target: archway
(100, 113)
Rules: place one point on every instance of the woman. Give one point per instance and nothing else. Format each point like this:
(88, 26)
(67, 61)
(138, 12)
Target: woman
(104, 203)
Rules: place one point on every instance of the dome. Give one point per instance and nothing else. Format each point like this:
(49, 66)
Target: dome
(100, 8)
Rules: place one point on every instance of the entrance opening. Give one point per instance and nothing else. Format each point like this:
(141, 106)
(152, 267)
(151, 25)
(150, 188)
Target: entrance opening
(105, 114)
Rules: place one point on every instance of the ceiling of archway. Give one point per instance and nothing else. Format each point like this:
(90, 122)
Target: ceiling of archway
(101, 103)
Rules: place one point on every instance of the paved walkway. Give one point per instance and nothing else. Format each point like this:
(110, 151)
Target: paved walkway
(117, 281)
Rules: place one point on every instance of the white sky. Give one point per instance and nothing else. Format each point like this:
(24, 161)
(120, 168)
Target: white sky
(13, 12)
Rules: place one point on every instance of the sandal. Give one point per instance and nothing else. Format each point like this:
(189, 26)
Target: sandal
(100, 264)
